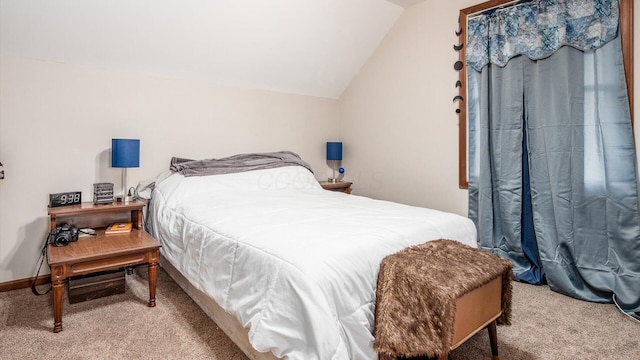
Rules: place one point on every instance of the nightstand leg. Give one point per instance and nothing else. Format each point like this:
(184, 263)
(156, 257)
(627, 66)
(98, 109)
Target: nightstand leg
(58, 297)
(153, 270)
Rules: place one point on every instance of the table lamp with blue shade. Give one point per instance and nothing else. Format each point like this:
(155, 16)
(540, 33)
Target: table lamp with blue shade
(334, 157)
(125, 153)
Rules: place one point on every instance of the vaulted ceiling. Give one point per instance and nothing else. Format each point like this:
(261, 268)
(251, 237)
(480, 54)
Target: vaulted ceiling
(310, 47)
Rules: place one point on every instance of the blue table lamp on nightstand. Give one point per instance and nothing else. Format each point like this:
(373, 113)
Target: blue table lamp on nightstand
(334, 157)
(125, 153)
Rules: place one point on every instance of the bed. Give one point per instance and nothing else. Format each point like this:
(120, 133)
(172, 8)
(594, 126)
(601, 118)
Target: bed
(286, 268)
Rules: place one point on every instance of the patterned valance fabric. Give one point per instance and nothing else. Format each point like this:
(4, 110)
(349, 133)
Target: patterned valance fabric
(538, 28)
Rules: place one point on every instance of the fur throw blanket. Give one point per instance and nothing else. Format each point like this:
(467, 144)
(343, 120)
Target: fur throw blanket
(416, 292)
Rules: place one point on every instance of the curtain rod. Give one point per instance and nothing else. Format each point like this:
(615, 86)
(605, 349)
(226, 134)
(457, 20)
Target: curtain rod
(498, 7)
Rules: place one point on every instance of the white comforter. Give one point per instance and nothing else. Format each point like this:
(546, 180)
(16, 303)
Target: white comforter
(293, 262)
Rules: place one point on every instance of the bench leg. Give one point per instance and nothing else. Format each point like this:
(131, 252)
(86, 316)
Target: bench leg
(493, 338)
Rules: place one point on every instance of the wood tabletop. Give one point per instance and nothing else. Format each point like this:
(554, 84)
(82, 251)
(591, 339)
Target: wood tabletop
(89, 207)
(101, 246)
(328, 185)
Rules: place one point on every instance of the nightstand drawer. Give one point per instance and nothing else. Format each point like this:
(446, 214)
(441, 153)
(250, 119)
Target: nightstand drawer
(94, 286)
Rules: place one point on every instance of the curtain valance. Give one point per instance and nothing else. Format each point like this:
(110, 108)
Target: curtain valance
(538, 28)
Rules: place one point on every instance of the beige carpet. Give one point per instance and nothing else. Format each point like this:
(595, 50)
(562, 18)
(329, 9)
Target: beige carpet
(546, 325)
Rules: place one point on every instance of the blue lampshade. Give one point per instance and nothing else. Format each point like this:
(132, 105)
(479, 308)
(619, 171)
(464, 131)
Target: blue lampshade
(125, 153)
(334, 150)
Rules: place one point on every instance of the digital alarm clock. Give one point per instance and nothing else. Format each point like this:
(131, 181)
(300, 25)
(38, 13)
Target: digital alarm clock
(65, 198)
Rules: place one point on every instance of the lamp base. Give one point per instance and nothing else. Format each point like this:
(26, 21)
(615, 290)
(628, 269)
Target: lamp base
(333, 180)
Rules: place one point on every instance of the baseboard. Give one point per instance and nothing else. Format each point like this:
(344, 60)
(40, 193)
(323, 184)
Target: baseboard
(24, 283)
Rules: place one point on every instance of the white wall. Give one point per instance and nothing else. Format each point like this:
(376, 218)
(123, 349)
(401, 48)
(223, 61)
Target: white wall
(397, 118)
(57, 122)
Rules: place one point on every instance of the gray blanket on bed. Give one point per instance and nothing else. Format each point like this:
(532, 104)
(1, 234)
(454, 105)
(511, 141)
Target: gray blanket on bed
(236, 163)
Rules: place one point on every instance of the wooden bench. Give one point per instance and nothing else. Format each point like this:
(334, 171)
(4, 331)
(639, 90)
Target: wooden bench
(433, 297)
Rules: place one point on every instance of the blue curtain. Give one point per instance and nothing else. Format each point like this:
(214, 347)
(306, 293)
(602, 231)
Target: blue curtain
(563, 122)
(535, 273)
(537, 29)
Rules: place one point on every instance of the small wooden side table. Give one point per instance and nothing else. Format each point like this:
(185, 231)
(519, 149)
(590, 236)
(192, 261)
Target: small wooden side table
(101, 252)
(341, 186)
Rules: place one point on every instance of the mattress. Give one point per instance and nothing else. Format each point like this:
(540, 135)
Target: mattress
(294, 263)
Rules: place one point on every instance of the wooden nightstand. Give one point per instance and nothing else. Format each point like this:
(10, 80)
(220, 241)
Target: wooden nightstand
(342, 186)
(102, 252)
